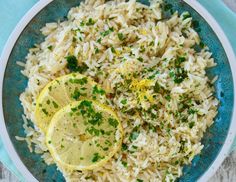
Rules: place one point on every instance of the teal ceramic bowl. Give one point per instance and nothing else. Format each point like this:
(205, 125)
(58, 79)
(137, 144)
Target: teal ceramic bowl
(217, 139)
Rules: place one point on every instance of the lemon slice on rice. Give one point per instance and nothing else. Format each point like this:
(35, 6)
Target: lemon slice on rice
(84, 135)
(62, 91)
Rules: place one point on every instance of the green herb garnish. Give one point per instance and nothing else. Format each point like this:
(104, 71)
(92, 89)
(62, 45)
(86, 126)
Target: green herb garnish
(99, 40)
(179, 60)
(90, 22)
(121, 36)
(45, 111)
(178, 75)
(107, 32)
(96, 157)
(191, 125)
(81, 81)
(72, 65)
(76, 95)
(50, 48)
(125, 164)
(55, 104)
(192, 111)
(93, 131)
(124, 101)
(96, 50)
(82, 23)
(186, 15)
(140, 59)
(96, 90)
(113, 50)
(168, 97)
(113, 122)
(96, 119)
(124, 147)
(133, 136)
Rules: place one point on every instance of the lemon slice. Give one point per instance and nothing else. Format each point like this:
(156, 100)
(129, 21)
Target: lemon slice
(84, 135)
(62, 91)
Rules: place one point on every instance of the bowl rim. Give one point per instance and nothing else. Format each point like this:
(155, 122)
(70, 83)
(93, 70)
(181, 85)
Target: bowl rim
(42, 4)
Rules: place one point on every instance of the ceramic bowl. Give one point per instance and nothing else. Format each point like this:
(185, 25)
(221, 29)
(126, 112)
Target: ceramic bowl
(216, 140)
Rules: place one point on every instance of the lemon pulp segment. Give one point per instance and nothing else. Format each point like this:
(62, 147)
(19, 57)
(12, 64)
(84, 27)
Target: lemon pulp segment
(84, 135)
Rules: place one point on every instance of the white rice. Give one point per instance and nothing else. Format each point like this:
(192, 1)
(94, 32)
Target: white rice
(181, 111)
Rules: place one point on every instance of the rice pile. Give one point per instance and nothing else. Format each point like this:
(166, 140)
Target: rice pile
(154, 78)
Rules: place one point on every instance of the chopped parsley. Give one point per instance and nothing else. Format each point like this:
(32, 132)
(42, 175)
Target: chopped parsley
(74, 39)
(55, 104)
(121, 36)
(192, 111)
(151, 43)
(90, 22)
(45, 111)
(142, 49)
(125, 164)
(96, 119)
(50, 48)
(82, 23)
(96, 157)
(107, 32)
(111, 29)
(133, 136)
(113, 122)
(124, 101)
(81, 81)
(105, 149)
(201, 44)
(124, 147)
(168, 97)
(93, 131)
(76, 95)
(157, 87)
(140, 59)
(85, 103)
(96, 90)
(72, 65)
(186, 15)
(153, 76)
(191, 125)
(151, 127)
(178, 75)
(107, 142)
(113, 50)
(179, 60)
(139, 180)
(99, 40)
(96, 50)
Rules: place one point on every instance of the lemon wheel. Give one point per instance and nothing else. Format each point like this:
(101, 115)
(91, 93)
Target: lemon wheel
(84, 135)
(62, 91)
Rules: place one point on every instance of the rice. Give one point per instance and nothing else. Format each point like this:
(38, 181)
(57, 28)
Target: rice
(155, 78)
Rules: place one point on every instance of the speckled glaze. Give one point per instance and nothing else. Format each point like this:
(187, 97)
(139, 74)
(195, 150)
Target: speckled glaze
(15, 83)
